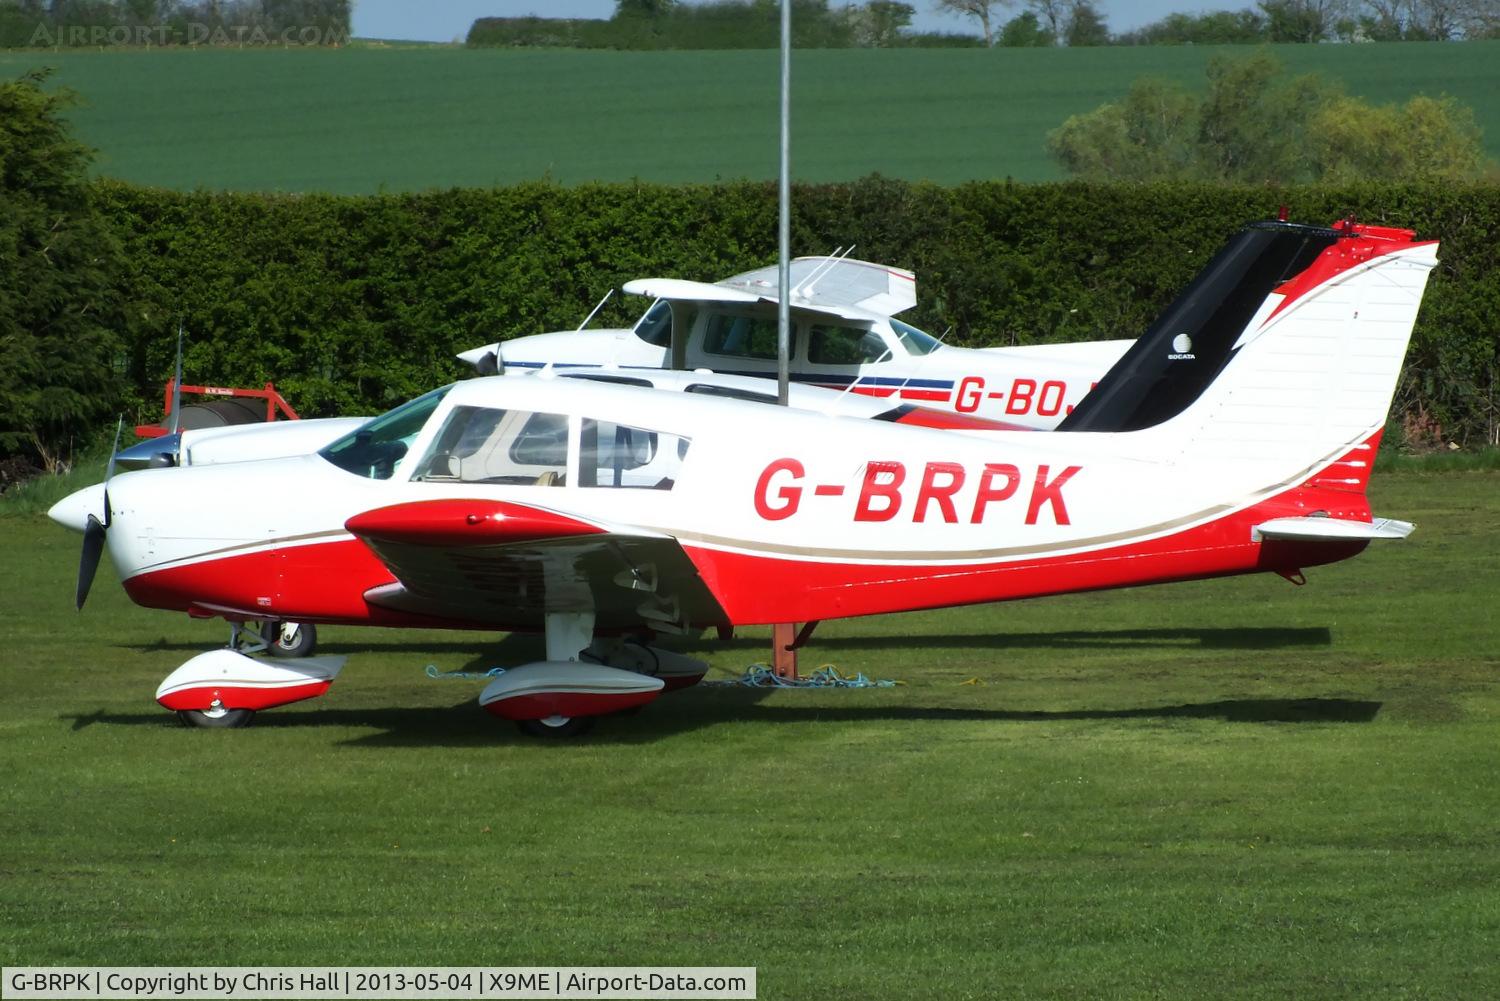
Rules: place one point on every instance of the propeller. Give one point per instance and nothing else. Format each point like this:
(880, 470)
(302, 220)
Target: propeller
(176, 425)
(166, 450)
(95, 531)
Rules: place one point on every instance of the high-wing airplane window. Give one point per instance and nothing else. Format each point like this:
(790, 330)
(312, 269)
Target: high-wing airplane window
(373, 449)
(614, 455)
(656, 326)
(845, 346)
(741, 336)
(487, 445)
(916, 342)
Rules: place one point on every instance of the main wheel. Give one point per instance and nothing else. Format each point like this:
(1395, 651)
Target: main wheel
(557, 727)
(216, 719)
(291, 639)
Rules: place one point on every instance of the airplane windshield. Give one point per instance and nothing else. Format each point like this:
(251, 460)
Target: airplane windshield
(656, 326)
(916, 342)
(373, 449)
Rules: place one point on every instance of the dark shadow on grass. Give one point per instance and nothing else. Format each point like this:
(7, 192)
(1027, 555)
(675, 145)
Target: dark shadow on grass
(517, 648)
(526, 647)
(465, 725)
(1243, 638)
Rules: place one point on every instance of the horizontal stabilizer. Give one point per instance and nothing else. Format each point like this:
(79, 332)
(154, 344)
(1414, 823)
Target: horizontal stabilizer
(1329, 530)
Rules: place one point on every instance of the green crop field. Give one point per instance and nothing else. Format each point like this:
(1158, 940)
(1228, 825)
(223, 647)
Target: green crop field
(367, 119)
(1222, 789)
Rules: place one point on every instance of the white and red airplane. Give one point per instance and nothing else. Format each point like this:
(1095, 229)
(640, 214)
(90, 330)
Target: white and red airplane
(1236, 436)
(844, 335)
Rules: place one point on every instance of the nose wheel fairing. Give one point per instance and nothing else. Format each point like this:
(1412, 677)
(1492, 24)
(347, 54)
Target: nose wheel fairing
(224, 680)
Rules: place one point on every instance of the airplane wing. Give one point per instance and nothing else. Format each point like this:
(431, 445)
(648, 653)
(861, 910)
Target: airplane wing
(508, 565)
(835, 285)
(848, 289)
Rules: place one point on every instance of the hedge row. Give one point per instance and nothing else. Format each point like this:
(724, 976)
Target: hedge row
(352, 304)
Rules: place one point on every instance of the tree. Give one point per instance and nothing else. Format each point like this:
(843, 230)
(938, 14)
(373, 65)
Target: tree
(1255, 126)
(1086, 26)
(981, 9)
(644, 8)
(1024, 31)
(59, 266)
(878, 24)
(1430, 138)
(1239, 27)
(1302, 20)
(1053, 15)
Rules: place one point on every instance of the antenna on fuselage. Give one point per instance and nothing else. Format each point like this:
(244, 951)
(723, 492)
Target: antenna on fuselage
(595, 311)
(921, 360)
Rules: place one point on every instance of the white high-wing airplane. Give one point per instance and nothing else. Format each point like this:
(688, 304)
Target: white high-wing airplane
(845, 336)
(1236, 436)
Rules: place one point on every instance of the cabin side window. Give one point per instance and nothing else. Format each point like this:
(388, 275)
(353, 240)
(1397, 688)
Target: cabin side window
(830, 345)
(487, 445)
(741, 336)
(620, 456)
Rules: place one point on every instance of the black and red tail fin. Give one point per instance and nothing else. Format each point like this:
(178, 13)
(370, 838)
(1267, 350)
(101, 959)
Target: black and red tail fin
(1189, 344)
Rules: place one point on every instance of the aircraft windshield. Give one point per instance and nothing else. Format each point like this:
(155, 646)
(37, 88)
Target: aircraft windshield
(373, 449)
(916, 342)
(656, 326)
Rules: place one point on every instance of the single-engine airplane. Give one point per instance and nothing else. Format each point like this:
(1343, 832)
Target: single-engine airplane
(844, 336)
(1236, 436)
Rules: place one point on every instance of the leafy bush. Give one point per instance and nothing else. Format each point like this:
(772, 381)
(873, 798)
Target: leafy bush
(59, 282)
(1253, 125)
(351, 304)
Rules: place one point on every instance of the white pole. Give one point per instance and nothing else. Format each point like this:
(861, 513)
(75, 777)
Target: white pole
(784, 220)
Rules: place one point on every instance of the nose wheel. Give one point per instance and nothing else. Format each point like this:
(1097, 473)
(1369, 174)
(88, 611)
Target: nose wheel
(216, 718)
(557, 727)
(279, 638)
(291, 639)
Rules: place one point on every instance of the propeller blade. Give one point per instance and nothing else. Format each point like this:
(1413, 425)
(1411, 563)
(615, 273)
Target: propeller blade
(177, 386)
(109, 470)
(88, 562)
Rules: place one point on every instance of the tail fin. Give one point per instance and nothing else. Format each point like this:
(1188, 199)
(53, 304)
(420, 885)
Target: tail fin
(1286, 347)
(1171, 364)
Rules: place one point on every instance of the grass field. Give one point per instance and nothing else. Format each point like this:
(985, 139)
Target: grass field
(1226, 789)
(366, 119)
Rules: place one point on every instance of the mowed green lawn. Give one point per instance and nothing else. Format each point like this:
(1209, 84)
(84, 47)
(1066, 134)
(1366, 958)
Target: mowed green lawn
(1221, 789)
(363, 119)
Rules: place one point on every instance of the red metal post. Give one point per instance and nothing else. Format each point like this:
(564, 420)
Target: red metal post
(783, 652)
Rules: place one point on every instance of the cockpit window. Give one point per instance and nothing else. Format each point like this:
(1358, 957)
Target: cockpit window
(916, 342)
(656, 326)
(829, 345)
(373, 449)
(487, 445)
(615, 455)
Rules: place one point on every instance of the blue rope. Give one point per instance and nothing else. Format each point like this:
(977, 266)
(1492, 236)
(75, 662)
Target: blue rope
(433, 672)
(828, 676)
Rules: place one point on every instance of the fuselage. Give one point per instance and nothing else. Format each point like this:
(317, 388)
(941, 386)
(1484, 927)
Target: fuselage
(786, 515)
